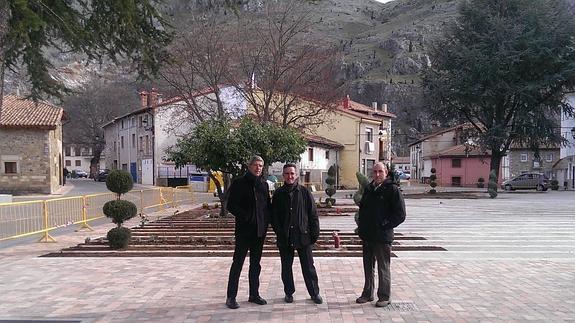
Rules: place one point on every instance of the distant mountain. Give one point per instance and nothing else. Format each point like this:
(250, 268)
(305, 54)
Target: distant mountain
(384, 48)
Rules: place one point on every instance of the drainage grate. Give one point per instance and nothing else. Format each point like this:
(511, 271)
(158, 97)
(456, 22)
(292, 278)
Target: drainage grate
(401, 307)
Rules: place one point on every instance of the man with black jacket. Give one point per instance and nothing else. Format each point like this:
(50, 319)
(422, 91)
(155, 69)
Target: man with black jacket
(249, 202)
(295, 222)
(381, 209)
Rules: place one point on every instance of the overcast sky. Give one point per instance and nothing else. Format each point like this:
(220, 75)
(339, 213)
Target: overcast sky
(383, 1)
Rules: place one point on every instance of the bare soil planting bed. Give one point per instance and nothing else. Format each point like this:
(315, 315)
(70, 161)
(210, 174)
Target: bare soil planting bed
(193, 234)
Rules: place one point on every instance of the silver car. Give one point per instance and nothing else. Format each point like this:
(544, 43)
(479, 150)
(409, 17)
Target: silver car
(527, 181)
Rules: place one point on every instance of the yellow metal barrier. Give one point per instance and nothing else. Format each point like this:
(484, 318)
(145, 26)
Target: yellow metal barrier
(20, 219)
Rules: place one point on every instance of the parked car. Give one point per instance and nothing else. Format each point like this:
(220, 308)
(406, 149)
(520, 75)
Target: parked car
(404, 175)
(527, 181)
(78, 173)
(102, 175)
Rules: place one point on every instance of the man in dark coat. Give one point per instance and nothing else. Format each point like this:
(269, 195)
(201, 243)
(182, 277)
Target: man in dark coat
(249, 202)
(381, 209)
(295, 222)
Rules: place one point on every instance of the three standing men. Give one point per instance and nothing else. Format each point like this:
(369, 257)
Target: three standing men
(381, 209)
(249, 202)
(295, 222)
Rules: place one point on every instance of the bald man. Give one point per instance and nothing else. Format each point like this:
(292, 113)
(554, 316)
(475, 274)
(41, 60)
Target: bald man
(381, 209)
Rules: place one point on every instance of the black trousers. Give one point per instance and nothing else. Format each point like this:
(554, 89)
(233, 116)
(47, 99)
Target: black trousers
(380, 252)
(255, 246)
(307, 268)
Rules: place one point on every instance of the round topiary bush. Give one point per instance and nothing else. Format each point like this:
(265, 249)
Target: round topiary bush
(330, 181)
(119, 182)
(432, 178)
(432, 181)
(492, 185)
(118, 238)
(554, 184)
(120, 210)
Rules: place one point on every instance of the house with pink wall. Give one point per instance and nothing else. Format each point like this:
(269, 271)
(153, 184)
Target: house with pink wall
(461, 165)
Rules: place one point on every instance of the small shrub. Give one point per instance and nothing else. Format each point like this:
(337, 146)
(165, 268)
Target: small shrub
(554, 184)
(205, 206)
(480, 182)
(119, 237)
(432, 182)
(120, 210)
(119, 182)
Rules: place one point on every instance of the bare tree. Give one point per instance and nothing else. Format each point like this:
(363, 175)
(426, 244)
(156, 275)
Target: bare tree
(89, 109)
(197, 71)
(292, 77)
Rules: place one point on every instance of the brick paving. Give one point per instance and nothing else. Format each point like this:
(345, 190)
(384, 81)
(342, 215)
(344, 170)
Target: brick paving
(508, 260)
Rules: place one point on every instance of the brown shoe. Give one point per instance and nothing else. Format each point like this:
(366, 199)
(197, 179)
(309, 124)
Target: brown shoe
(363, 299)
(382, 303)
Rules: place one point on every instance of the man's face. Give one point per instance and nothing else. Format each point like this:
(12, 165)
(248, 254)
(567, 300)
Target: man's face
(256, 167)
(379, 173)
(290, 175)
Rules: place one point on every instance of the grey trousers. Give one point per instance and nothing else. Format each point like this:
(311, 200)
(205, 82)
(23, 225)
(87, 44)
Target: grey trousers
(380, 252)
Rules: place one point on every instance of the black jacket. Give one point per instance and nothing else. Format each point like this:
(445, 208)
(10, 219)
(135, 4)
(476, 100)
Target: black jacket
(381, 209)
(306, 231)
(249, 202)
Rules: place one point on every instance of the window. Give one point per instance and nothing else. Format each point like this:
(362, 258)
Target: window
(327, 154)
(10, 167)
(122, 124)
(369, 134)
(549, 157)
(77, 151)
(140, 122)
(125, 167)
(122, 142)
(115, 164)
(68, 163)
(310, 154)
(132, 122)
(523, 158)
(67, 151)
(78, 163)
(141, 144)
(369, 167)
(115, 146)
(133, 140)
(456, 163)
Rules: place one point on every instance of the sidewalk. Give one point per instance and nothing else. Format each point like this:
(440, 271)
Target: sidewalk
(501, 284)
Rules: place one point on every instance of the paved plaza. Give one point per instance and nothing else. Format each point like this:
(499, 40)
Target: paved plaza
(511, 259)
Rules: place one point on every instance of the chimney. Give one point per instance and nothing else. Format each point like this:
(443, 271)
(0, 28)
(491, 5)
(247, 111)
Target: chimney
(153, 97)
(346, 102)
(374, 105)
(143, 99)
(384, 107)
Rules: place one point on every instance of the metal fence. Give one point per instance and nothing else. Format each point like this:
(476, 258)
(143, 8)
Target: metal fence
(20, 219)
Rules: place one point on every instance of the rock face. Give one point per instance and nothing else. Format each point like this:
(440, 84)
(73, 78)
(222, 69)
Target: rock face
(383, 46)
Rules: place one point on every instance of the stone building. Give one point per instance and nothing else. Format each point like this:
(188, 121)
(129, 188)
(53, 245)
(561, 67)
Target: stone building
(30, 146)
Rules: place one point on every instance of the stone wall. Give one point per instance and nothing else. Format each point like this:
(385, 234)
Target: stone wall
(31, 150)
(548, 157)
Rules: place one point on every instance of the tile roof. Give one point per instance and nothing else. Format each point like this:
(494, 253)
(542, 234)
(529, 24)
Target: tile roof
(18, 112)
(323, 141)
(460, 150)
(363, 111)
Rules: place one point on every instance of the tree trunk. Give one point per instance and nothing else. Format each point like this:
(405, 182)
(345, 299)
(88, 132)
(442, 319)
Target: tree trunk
(494, 166)
(222, 190)
(94, 162)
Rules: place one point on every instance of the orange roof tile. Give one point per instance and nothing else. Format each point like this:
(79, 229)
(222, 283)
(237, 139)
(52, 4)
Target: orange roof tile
(18, 112)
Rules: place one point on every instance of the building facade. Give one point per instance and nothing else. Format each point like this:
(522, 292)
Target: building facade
(30, 146)
(137, 142)
(79, 157)
(364, 132)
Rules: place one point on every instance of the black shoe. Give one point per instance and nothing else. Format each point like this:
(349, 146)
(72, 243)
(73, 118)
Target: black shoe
(288, 298)
(258, 300)
(362, 299)
(317, 299)
(382, 303)
(231, 303)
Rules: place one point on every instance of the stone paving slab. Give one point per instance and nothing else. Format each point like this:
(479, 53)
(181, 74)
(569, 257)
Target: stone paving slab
(502, 285)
